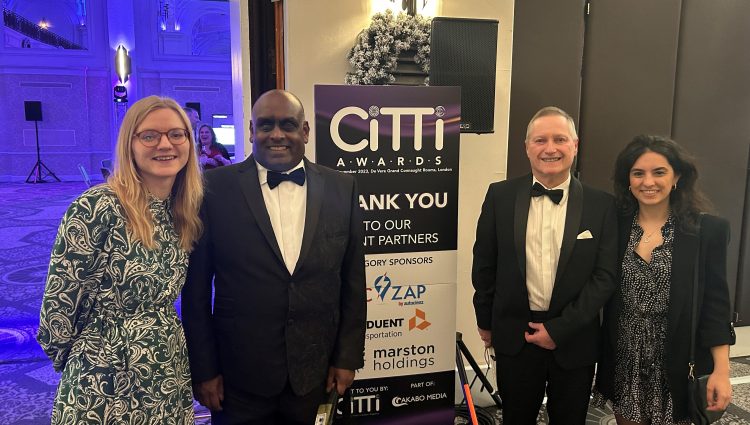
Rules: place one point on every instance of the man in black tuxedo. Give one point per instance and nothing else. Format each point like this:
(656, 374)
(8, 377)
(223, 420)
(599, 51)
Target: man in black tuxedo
(195, 121)
(544, 265)
(283, 244)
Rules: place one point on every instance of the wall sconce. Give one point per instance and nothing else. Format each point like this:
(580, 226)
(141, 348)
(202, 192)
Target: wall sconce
(122, 63)
(421, 7)
(410, 6)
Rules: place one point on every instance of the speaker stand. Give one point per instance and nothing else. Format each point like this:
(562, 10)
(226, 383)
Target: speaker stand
(461, 352)
(39, 167)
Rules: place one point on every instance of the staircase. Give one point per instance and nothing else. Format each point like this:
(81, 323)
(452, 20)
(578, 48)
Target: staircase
(22, 25)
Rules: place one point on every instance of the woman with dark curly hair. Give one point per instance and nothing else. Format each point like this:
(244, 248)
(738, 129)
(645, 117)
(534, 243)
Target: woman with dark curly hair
(212, 153)
(663, 229)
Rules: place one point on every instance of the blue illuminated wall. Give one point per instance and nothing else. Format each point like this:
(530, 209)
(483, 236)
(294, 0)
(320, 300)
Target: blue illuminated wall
(178, 48)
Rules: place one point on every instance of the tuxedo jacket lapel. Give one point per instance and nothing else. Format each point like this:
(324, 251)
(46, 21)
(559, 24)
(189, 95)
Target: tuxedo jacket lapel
(572, 225)
(250, 186)
(315, 189)
(520, 219)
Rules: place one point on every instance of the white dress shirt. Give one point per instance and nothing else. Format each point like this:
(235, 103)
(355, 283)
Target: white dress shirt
(544, 235)
(286, 205)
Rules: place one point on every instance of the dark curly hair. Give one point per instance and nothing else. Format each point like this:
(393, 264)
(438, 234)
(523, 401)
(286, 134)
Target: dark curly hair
(687, 201)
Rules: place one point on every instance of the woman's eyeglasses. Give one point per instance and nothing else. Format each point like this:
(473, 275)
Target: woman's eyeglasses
(151, 138)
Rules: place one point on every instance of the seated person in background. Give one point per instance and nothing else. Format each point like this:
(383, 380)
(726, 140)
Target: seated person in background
(212, 153)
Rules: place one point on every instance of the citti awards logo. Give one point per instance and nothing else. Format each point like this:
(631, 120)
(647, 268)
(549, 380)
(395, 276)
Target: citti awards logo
(373, 112)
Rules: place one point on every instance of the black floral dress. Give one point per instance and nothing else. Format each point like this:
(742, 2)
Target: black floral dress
(108, 320)
(641, 387)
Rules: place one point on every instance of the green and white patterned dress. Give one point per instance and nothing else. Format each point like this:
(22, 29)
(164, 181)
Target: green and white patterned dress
(108, 320)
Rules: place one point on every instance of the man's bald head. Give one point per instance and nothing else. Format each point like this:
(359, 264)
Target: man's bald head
(278, 94)
(279, 130)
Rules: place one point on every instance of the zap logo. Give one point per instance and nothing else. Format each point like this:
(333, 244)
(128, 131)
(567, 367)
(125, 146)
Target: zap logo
(386, 291)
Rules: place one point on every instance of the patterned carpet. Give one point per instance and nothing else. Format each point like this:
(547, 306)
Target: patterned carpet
(29, 216)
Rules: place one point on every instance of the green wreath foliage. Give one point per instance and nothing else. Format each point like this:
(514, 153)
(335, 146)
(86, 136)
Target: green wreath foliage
(375, 55)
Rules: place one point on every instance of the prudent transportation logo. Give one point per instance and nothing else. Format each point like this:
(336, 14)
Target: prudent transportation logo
(419, 320)
(384, 328)
(386, 291)
(392, 327)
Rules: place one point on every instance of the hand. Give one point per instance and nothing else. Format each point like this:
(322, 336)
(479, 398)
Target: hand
(718, 391)
(210, 393)
(540, 336)
(207, 160)
(486, 337)
(342, 378)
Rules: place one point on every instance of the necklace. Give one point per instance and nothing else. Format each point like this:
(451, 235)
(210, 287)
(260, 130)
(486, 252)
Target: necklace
(647, 238)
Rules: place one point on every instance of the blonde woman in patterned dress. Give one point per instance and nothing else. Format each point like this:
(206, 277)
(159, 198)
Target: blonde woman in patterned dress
(108, 320)
(644, 364)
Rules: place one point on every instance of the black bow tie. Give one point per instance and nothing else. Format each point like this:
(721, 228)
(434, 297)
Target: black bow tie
(554, 194)
(296, 176)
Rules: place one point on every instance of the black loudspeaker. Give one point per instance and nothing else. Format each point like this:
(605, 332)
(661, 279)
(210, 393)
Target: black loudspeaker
(463, 52)
(196, 106)
(33, 109)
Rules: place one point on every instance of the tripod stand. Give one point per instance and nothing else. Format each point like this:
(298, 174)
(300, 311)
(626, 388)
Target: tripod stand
(461, 352)
(37, 170)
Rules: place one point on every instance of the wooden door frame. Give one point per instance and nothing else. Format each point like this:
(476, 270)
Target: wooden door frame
(279, 42)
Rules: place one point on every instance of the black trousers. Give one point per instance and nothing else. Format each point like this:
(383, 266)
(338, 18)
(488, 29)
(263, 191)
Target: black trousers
(287, 408)
(523, 380)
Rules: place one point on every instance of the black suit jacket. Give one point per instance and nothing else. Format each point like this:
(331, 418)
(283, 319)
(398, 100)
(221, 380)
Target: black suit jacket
(714, 326)
(583, 283)
(266, 324)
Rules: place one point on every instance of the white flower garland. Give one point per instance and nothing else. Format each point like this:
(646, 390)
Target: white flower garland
(375, 55)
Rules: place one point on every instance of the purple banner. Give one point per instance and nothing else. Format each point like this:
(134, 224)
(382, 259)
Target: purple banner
(401, 144)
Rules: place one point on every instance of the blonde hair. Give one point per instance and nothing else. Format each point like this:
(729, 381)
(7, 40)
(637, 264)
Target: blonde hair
(126, 181)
